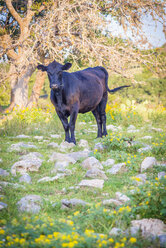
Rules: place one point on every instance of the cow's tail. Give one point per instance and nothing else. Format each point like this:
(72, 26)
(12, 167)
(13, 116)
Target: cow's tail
(106, 82)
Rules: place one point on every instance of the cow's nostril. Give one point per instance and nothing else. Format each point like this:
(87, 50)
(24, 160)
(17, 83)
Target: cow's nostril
(54, 86)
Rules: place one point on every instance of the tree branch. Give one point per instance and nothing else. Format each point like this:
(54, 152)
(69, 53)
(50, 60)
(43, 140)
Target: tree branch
(14, 12)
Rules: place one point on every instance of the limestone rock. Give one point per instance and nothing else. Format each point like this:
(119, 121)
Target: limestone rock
(113, 128)
(142, 179)
(25, 178)
(96, 173)
(115, 168)
(161, 174)
(147, 163)
(109, 162)
(55, 136)
(73, 202)
(91, 163)
(150, 227)
(61, 157)
(144, 149)
(31, 155)
(79, 155)
(18, 146)
(61, 164)
(3, 205)
(30, 204)
(83, 143)
(24, 166)
(38, 137)
(115, 231)
(99, 146)
(14, 185)
(121, 197)
(53, 145)
(65, 146)
(94, 183)
(3, 173)
(50, 179)
(112, 202)
(22, 136)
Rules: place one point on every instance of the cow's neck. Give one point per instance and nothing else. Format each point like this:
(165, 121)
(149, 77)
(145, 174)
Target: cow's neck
(58, 95)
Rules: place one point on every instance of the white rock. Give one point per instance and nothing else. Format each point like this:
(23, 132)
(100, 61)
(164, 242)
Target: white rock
(18, 146)
(144, 149)
(99, 146)
(22, 136)
(55, 136)
(53, 145)
(30, 204)
(61, 164)
(73, 202)
(1, 159)
(131, 127)
(31, 155)
(147, 163)
(150, 227)
(38, 137)
(14, 185)
(115, 231)
(61, 157)
(50, 179)
(91, 163)
(157, 129)
(122, 197)
(25, 178)
(147, 137)
(116, 168)
(112, 202)
(161, 174)
(83, 143)
(79, 155)
(65, 146)
(142, 179)
(109, 162)
(3, 205)
(3, 173)
(96, 173)
(112, 128)
(24, 166)
(94, 183)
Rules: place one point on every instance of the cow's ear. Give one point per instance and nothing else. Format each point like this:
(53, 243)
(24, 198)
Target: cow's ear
(66, 66)
(42, 67)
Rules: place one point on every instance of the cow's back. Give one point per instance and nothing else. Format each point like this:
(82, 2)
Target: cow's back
(86, 87)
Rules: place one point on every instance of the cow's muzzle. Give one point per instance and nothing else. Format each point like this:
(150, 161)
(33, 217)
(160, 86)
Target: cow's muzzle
(54, 86)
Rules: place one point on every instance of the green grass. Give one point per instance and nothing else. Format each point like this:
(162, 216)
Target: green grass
(24, 230)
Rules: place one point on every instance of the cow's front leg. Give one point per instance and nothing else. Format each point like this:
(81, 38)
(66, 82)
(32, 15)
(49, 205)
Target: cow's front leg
(65, 124)
(73, 117)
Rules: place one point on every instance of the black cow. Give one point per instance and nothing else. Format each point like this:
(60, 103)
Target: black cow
(78, 92)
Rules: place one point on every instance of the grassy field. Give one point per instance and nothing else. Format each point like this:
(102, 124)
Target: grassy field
(84, 226)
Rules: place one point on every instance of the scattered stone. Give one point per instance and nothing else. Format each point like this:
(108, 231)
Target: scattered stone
(30, 204)
(116, 168)
(25, 178)
(79, 155)
(73, 202)
(18, 146)
(145, 149)
(115, 231)
(147, 163)
(53, 145)
(161, 164)
(161, 174)
(55, 136)
(51, 179)
(134, 230)
(83, 143)
(121, 197)
(14, 185)
(109, 162)
(61, 164)
(65, 146)
(162, 239)
(99, 146)
(1, 160)
(113, 128)
(150, 227)
(22, 136)
(112, 202)
(3, 205)
(31, 155)
(66, 172)
(131, 127)
(96, 173)
(38, 137)
(24, 166)
(82, 123)
(147, 137)
(91, 163)
(3, 173)
(157, 129)
(94, 183)
(140, 179)
(61, 157)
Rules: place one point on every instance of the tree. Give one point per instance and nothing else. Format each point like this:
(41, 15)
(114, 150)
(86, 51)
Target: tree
(73, 30)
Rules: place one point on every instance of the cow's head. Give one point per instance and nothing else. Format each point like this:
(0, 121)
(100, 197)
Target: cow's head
(54, 71)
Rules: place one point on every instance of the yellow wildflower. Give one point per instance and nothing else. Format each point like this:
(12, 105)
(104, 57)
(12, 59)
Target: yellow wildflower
(2, 231)
(132, 240)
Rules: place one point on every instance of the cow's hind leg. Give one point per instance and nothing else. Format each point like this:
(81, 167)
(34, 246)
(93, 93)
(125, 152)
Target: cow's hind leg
(99, 122)
(65, 124)
(102, 107)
